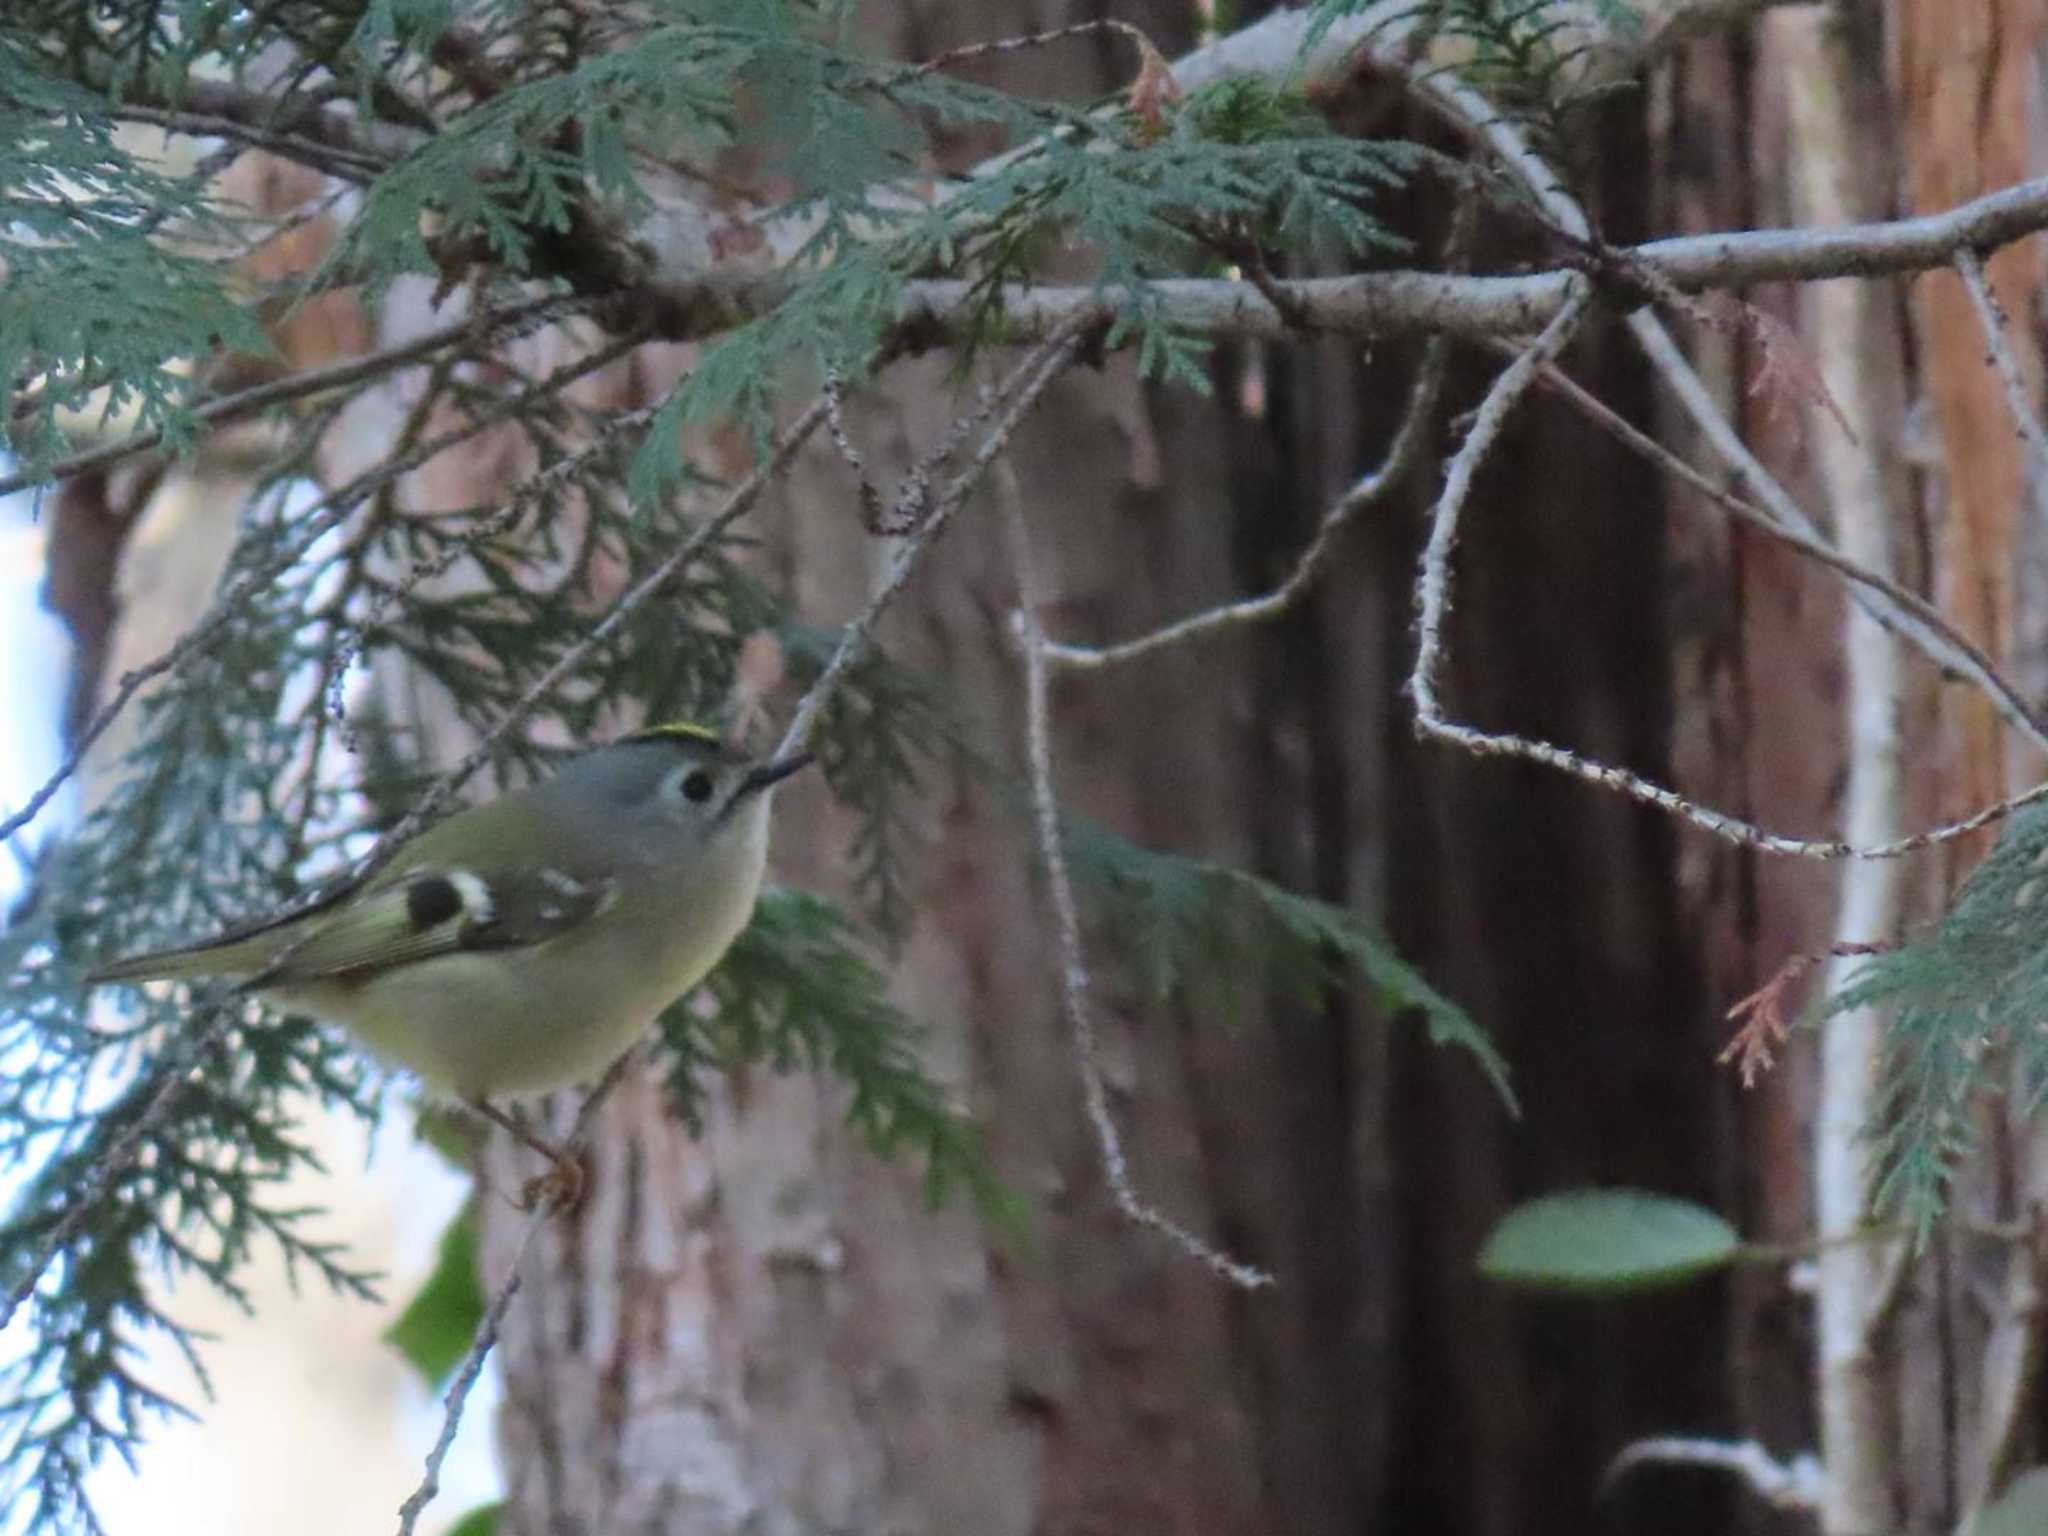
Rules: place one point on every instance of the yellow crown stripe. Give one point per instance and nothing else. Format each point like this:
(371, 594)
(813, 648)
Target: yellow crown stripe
(676, 730)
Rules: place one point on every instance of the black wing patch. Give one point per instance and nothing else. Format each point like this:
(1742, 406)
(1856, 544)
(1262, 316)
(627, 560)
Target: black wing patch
(431, 900)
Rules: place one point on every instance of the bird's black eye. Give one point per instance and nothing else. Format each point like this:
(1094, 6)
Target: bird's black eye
(697, 787)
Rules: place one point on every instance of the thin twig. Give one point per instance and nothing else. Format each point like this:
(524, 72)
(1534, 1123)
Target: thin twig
(871, 517)
(1432, 601)
(536, 487)
(1074, 984)
(1019, 392)
(1716, 431)
(1795, 538)
(1504, 138)
(350, 165)
(1432, 587)
(1969, 266)
(1696, 262)
(1008, 45)
(913, 501)
(456, 1399)
(457, 1396)
(1395, 468)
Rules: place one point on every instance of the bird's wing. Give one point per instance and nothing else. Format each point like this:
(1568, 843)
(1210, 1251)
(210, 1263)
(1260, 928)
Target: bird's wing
(399, 918)
(433, 897)
(430, 911)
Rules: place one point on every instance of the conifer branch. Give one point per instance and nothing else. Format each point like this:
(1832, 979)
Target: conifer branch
(155, 1099)
(467, 336)
(329, 513)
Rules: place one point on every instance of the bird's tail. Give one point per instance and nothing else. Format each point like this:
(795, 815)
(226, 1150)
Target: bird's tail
(231, 957)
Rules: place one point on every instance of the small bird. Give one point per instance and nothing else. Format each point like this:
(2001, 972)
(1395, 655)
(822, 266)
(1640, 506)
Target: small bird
(526, 943)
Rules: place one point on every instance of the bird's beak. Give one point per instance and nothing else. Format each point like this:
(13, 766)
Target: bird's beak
(770, 774)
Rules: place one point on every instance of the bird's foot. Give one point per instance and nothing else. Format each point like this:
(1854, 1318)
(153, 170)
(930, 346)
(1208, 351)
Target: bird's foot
(561, 1187)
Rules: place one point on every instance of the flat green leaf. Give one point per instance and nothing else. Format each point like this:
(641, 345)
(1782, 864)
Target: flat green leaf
(435, 1329)
(1602, 1240)
(481, 1521)
(2022, 1510)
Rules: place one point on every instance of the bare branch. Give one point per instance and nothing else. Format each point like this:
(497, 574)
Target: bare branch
(1969, 266)
(1400, 460)
(1432, 602)
(1479, 118)
(342, 163)
(693, 304)
(1699, 404)
(1073, 962)
(1926, 619)
(466, 1377)
(1432, 588)
(1019, 392)
(834, 395)
(1367, 304)
(1008, 45)
(456, 1399)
